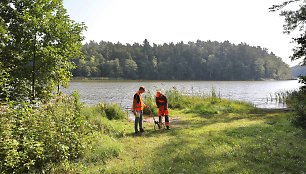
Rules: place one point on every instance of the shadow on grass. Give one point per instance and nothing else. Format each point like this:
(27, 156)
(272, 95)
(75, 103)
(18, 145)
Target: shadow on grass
(259, 148)
(202, 121)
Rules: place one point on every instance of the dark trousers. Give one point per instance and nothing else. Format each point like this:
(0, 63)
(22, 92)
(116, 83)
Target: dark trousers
(160, 119)
(138, 120)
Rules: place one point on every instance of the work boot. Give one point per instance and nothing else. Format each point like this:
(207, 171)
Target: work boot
(136, 133)
(142, 130)
(168, 128)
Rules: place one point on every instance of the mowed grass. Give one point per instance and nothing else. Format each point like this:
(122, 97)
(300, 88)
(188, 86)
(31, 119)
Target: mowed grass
(263, 141)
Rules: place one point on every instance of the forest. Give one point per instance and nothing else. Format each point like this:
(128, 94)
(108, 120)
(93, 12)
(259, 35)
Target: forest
(200, 60)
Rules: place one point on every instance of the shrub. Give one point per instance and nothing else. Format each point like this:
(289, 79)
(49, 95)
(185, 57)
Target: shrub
(297, 101)
(31, 139)
(111, 111)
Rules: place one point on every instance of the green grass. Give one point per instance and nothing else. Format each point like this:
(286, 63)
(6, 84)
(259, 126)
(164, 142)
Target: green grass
(207, 137)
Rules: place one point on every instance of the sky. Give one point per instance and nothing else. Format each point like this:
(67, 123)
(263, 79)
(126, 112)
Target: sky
(165, 21)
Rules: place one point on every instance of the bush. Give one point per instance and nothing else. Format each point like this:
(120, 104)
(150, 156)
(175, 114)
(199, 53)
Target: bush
(297, 101)
(111, 111)
(32, 139)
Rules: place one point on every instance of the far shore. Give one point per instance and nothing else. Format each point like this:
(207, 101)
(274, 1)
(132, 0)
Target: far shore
(105, 79)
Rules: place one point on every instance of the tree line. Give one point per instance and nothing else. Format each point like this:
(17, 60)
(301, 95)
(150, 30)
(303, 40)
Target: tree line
(200, 60)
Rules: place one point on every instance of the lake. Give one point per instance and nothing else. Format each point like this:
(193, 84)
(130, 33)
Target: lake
(121, 92)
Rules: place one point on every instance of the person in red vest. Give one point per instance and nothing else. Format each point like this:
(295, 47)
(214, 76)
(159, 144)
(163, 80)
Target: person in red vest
(138, 106)
(162, 105)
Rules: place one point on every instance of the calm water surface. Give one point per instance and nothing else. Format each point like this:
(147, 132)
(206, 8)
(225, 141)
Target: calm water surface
(121, 92)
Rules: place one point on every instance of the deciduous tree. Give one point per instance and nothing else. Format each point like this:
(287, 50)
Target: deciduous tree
(39, 42)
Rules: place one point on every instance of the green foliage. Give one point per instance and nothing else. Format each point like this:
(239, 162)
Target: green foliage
(32, 138)
(294, 21)
(111, 111)
(149, 100)
(4, 90)
(296, 100)
(200, 60)
(206, 105)
(130, 69)
(236, 139)
(103, 147)
(176, 99)
(99, 117)
(37, 42)
(302, 79)
(256, 142)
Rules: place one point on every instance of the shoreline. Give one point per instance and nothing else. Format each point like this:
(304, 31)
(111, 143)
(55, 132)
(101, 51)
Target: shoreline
(102, 79)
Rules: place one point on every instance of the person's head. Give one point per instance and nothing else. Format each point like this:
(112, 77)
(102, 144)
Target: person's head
(158, 93)
(142, 89)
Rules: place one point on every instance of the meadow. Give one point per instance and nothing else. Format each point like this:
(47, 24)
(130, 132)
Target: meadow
(208, 135)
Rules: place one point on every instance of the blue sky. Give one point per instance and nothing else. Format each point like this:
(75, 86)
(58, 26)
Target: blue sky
(159, 21)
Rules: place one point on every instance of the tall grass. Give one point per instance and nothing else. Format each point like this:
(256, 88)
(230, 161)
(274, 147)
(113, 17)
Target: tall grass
(149, 100)
(278, 97)
(211, 104)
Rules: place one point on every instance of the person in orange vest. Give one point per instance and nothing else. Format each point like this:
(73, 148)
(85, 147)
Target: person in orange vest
(137, 109)
(162, 105)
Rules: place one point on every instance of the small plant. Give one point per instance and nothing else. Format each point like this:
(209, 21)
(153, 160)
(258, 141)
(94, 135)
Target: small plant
(214, 97)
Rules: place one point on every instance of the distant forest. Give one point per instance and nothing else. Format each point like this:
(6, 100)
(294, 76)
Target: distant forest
(200, 60)
(298, 71)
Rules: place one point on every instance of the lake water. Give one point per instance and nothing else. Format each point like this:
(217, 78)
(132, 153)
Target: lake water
(121, 92)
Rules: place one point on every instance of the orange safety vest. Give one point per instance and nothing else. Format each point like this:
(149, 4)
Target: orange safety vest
(138, 106)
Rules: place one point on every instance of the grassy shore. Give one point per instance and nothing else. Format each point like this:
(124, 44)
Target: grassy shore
(238, 139)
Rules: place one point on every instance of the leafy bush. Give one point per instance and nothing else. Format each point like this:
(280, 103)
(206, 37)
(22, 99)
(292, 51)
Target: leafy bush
(111, 111)
(31, 138)
(297, 101)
